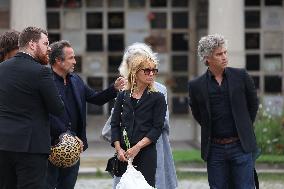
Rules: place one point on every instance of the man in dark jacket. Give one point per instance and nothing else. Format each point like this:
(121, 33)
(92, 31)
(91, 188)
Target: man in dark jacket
(74, 93)
(27, 96)
(224, 102)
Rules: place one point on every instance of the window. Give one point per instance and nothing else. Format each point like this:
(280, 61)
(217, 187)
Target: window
(52, 37)
(94, 3)
(115, 20)
(97, 84)
(252, 40)
(136, 3)
(78, 65)
(252, 62)
(53, 20)
(273, 2)
(252, 19)
(202, 15)
(272, 63)
(256, 81)
(179, 63)
(252, 2)
(273, 84)
(94, 20)
(115, 42)
(180, 3)
(179, 41)
(158, 20)
(115, 3)
(180, 20)
(113, 63)
(158, 3)
(273, 40)
(54, 3)
(94, 42)
(72, 20)
(72, 3)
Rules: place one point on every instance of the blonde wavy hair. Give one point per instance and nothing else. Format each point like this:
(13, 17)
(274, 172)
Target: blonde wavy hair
(134, 58)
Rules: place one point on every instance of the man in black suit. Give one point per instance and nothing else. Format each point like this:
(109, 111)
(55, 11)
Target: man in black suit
(75, 93)
(27, 96)
(224, 102)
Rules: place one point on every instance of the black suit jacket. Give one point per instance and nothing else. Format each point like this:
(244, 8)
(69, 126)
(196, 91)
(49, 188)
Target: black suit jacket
(146, 119)
(27, 95)
(244, 105)
(82, 94)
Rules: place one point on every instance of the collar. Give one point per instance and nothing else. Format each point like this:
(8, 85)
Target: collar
(58, 77)
(212, 76)
(27, 53)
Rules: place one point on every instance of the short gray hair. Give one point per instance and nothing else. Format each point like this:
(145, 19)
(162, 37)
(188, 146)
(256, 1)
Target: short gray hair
(208, 44)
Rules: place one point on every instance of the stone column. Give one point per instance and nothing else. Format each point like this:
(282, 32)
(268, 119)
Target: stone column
(226, 17)
(26, 13)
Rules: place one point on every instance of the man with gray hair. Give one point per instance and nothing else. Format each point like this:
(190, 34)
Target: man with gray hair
(224, 102)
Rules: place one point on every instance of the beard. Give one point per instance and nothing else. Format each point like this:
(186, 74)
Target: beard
(41, 57)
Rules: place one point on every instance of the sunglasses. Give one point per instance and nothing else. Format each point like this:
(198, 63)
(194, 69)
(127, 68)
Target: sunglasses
(147, 71)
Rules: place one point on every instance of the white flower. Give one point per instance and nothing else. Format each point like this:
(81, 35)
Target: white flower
(124, 132)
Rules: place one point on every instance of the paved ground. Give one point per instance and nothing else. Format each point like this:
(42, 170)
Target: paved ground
(95, 158)
(183, 184)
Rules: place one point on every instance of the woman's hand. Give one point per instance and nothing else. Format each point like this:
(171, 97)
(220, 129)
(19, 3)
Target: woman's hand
(121, 155)
(132, 152)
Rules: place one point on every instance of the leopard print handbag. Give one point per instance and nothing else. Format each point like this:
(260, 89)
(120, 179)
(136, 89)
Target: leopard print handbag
(66, 152)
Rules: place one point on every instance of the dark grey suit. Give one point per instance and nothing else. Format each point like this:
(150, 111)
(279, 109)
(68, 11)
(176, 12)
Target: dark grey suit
(244, 105)
(27, 95)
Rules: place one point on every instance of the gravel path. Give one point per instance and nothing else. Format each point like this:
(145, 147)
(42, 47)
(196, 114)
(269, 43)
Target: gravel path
(183, 184)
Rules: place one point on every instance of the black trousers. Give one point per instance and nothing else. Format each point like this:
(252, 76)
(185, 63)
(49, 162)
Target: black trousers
(20, 170)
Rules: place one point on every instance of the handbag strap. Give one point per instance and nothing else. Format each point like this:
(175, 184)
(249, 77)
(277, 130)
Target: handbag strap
(124, 133)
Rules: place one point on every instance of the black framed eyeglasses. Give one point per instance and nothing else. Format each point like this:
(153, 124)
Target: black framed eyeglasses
(147, 71)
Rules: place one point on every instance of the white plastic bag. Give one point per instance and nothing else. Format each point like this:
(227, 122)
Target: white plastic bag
(132, 179)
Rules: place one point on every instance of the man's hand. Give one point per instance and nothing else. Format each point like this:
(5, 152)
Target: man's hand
(120, 83)
(81, 143)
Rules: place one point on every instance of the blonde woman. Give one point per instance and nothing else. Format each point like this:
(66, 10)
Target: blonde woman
(166, 177)
(141, 110)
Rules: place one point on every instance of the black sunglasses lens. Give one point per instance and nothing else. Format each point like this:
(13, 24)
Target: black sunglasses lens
(147, 71)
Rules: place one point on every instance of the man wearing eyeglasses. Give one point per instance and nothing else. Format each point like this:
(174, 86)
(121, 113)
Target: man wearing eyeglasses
(27, 96)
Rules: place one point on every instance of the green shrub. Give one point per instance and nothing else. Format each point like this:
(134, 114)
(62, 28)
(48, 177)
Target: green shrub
(269, 132)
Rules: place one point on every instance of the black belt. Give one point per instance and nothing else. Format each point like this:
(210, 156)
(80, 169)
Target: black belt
(225, 140)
